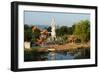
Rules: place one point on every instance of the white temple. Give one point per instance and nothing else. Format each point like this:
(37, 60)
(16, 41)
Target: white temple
(53, 29)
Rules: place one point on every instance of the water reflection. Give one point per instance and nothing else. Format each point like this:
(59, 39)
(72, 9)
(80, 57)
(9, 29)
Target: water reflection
(43, 56)
(59, 56)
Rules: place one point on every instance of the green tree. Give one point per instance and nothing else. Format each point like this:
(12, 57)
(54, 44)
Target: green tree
(27, 33)
(49, 29)
(35, 35)
(62, 31)
(70, 30)
(26, 27)
(82, 30)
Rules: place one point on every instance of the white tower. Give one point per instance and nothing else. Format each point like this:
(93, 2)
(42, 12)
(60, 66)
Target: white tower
(53, 29)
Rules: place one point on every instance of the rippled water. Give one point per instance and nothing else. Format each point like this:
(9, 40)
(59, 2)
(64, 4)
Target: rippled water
(43, 56)
(59, 56)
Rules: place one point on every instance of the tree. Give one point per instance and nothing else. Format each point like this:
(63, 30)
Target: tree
(70, 30)
(62, 31)
(49, 29)
(35, 35)
(82, 30)
(26, 27)
(27, 33)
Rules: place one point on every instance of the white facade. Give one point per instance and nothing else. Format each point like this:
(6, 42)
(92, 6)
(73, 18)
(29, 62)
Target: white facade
(53, 29)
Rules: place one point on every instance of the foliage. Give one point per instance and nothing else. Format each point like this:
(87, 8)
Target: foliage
(27, 33)
(62, 31)
(82, 30)
(35, 35)
(70, 30)
(49, 29)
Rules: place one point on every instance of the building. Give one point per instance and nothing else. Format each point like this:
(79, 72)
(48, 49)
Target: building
(53, 29)
(27, 45)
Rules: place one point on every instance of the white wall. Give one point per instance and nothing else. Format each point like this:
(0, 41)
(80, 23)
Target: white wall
(5, 17)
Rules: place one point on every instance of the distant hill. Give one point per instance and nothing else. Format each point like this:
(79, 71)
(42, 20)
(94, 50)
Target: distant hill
(39, 26)
(42, 26)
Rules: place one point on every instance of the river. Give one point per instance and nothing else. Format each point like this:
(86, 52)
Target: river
(44, 56)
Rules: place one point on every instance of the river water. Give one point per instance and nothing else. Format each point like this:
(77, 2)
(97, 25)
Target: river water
(44, 56)
(59, 56)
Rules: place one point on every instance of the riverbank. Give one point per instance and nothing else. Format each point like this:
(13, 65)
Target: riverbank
(65, 47)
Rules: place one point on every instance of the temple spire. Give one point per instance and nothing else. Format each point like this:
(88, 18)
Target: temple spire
(53, 29)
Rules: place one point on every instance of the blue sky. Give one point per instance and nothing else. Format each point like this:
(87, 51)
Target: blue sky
(45, 18)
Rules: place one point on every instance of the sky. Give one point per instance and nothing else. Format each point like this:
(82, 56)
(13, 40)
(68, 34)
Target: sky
(61, 18)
